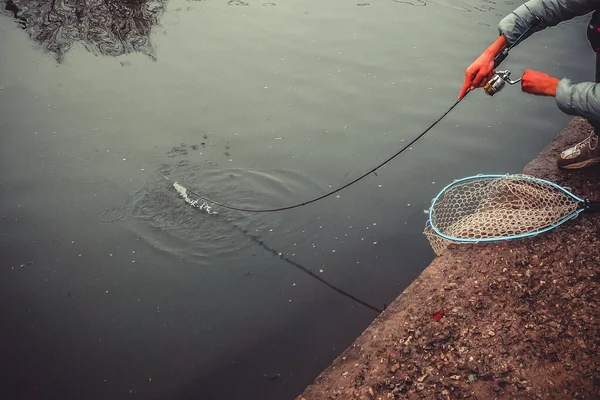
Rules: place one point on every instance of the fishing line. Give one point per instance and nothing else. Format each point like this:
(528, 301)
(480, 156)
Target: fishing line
(492, 87)
(372, 171)
(183, 192)
(498, 80)
(308, 271)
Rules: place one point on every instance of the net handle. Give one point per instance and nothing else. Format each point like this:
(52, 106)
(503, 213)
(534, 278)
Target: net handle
(592, 206)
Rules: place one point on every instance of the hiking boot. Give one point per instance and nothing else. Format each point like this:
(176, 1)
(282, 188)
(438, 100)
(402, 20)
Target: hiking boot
(584, 154)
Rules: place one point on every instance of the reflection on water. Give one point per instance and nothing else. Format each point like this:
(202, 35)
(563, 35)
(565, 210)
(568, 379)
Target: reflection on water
(112, 27)
(117, 27)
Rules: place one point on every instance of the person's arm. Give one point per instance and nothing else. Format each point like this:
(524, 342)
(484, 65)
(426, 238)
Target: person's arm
(580, 99)
(550, 13)
(511, 27)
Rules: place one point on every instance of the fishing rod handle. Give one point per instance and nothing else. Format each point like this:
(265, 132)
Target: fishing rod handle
(502, 56)
(592, 205)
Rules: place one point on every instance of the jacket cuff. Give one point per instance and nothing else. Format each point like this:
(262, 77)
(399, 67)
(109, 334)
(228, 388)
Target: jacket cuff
(515, 24)
(564, 96)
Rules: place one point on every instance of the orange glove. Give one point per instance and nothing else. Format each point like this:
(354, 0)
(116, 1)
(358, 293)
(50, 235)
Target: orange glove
(478, 74)
(539, 83)
(482, 69)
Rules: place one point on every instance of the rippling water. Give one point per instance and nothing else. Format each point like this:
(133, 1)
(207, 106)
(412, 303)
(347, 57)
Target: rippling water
(115, 287)
(171, 224)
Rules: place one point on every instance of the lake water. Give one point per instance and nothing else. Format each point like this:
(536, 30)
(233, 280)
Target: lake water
(113, 287)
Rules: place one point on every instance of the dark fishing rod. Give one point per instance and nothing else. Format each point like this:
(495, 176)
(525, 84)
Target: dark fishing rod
(495, 84)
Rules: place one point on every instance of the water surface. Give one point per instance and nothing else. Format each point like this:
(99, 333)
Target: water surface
(114, 287)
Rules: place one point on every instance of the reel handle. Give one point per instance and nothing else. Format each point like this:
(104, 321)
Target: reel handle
(511, 82)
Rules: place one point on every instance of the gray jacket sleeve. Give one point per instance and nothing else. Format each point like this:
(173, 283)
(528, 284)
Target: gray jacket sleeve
(550, 12)
(580, 99)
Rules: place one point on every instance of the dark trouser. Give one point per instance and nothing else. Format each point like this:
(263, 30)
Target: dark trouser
(595, 123)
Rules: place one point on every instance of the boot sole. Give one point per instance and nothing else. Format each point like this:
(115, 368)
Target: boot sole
(582, 164)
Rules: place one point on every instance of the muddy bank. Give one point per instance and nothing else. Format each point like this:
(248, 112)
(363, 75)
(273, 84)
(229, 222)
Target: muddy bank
(491, 321)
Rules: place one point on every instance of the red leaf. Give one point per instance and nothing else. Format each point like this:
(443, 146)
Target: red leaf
(438, 315)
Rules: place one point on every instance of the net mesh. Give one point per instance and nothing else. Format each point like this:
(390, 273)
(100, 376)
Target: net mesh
(496, 208)
(437, 243)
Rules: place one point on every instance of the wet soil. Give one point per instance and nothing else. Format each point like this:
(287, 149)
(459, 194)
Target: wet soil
(517, 320)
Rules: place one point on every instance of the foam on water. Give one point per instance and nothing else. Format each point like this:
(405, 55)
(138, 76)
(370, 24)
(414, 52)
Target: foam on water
(183, 192)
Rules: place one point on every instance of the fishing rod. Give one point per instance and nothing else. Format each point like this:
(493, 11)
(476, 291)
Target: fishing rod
(496, 83)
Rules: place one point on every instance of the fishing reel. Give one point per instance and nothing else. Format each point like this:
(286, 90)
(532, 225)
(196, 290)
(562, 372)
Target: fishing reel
(498, 81)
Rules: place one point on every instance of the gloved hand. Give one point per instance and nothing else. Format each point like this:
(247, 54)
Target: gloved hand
(539, 83)
(482, 69)
(478, 73)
